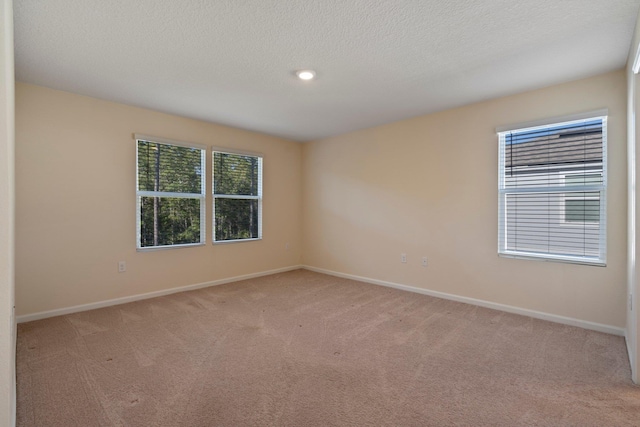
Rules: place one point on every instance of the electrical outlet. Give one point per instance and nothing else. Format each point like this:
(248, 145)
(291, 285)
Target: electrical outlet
(122, 266)
(286, 246)
(403, 258)
(424, 261)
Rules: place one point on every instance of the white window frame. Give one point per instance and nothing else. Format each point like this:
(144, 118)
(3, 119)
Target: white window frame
(601, 188)
(235, 196)
(200, 196)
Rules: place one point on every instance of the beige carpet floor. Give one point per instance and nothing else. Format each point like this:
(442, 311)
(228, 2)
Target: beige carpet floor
(306, 349)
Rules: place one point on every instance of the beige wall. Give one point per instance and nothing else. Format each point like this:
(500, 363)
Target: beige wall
(428, 187)
(425, 186)
(7, 322)
(75, 203)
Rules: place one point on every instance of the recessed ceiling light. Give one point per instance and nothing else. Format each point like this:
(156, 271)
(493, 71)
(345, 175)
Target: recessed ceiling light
(306, 74)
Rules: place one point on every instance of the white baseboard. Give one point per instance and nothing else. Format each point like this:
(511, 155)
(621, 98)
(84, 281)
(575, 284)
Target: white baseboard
(123, 300)
(487, 304)
(631, 355)
(632, 361)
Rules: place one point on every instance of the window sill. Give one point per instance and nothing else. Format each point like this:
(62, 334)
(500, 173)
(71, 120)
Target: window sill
(553, 258)
(163, 248)
(225, 242)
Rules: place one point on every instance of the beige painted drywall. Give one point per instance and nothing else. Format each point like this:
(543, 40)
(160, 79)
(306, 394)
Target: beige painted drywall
(7, 322)
(425, 186)
(633, 139)
(75, 203)
(428, 187)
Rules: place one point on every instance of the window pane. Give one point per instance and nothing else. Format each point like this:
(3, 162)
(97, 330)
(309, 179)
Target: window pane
(169, 221)
(534, 224)
(540, 157)
(577, 210)
(236, 219)
(169, 168)
(235, 174)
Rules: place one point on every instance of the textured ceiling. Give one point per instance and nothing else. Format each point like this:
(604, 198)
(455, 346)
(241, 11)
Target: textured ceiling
(232, 62)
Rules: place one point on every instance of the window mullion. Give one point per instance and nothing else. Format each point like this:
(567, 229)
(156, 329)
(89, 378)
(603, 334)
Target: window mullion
(236, 196)
(171, 195)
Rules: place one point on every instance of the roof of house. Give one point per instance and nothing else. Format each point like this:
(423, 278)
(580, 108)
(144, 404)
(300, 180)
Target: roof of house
(575, 146)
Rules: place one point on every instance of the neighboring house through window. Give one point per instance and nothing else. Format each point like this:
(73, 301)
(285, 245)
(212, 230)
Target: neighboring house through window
(552, 191)
(582, 208)
(237, 196)
(170, 193)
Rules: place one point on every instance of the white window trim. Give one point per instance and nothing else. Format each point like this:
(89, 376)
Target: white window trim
(534, 124)
(237, 197)
(224, 150)
(227, 242)
(201, 196)
(552, 258)
(601, 261)
(139, 137)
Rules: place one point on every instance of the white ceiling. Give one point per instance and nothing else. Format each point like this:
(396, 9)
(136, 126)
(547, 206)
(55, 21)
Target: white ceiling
(378, 61)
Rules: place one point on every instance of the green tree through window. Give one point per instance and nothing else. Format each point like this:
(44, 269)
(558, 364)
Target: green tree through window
(170, 194)
(237, 194)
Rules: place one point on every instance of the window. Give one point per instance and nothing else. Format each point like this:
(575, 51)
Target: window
(170, 193)
(552, 191)
(237, 196)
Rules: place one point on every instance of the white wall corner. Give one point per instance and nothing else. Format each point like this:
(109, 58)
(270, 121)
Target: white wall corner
(633, 327)
(7, 202)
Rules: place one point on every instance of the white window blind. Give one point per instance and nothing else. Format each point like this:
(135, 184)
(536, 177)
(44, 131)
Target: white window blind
(552, 191)
(170, 194)
(237, 196)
